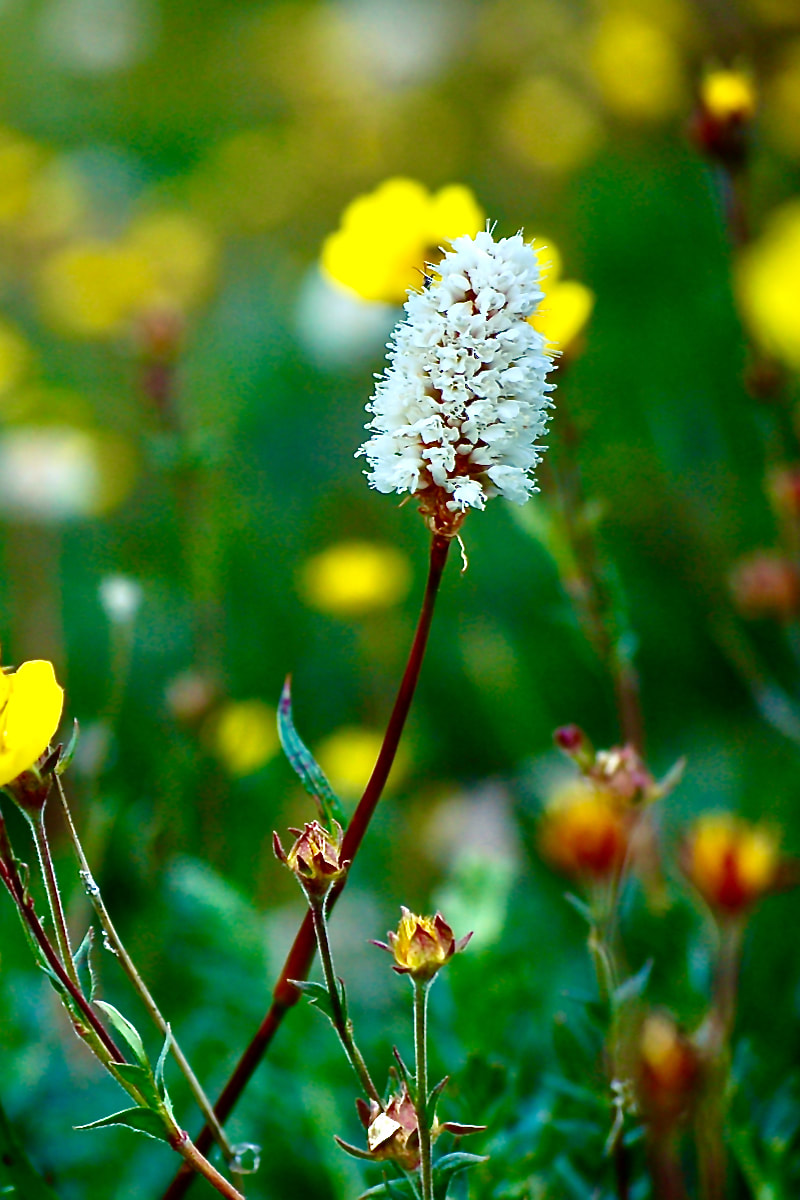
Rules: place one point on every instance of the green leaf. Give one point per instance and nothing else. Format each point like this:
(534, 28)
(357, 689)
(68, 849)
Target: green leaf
(391, 1189)
(433, 1099)
(16, 1171)
(128, 1032)
(162, 1059)
(451, 1165)
(303, 762)
(68, 753)
(140, 1078)
(580, 907)
(84, 964)
(140, 1120)
(320, 997)
(633, 988)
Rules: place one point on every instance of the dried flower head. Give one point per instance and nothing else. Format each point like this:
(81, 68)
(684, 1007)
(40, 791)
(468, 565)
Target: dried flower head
(422, 945)
(732, 862)
(585, 830)
(315, 858)
(393, 1130)
(458, 414)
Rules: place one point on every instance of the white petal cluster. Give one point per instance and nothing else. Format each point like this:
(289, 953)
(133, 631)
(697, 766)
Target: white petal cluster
(458, 413)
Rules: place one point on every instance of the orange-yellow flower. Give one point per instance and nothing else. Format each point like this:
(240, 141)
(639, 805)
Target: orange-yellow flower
(732, 862)
(668, 1068)
(314, 858)
(585, 830)
(422, 945)
(30, 710)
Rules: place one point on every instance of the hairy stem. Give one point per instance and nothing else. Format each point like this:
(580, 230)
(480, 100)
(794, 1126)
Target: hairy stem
(341, 1024)
(128, 966)
(301, 955)
(36, 822)
(200, 1165)
(421, 1057)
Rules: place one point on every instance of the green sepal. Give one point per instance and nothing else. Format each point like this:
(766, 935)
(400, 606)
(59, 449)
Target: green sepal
(68, 753)
(140, 1078)
(84, 965)
(451, 1165)
(304, 764)
(140, 1120)
(319, 996)
(433, 1099)
(405, 1074)
(129, 1033)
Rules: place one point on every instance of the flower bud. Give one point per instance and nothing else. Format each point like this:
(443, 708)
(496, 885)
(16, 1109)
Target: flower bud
(574, 742)
(668, 1069)
(623, 772)
(422, 945)
(766, 584)
(585, 830)
(732, 863)
(721, 123)
(315, 858)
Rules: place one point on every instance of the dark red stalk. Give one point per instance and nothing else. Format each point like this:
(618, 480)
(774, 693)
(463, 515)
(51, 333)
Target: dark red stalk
(301, 956)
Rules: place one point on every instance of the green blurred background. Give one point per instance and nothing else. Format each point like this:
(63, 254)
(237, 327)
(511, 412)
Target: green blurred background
(181, 396)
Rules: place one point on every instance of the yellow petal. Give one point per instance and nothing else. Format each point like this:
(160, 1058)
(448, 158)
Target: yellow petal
(33, 704)
(564, 312)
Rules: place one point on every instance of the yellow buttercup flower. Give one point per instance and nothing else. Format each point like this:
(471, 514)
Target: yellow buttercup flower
(386, 237)
(731, 862)
(351, 578)
(244, 736)
(728, 95)
(768, 280)
(30, 710)
(567, 306)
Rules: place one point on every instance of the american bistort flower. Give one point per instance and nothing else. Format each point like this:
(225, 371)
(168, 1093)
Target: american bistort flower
(458, 414)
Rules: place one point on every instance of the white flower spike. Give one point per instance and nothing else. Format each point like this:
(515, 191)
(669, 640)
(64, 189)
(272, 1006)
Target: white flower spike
(459, 411)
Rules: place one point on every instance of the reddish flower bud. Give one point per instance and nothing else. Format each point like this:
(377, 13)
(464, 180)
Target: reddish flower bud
(585, 830)
(766, 584)
(721, 123)
(668, 1069)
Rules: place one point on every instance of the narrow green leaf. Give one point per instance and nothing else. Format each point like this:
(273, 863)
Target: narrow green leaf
(302, 761)
(162, 1059)
(634, 987)
(141, 1079)
(392, 1189)
(85, 965)
(317, 994)
(433, 1098)
(127, 1031)
(18, 1176)
(68, 753)
(140, 1120)
(451, 1165)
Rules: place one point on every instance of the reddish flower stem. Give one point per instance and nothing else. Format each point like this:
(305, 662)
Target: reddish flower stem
(301, 955)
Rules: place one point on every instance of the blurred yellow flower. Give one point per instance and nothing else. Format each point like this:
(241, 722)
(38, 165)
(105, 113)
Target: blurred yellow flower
(546, 124)
(728, 94)
(30, 710)
(14, 356)
(768, 279)
(386, 237)
(637, 67)
(20, 160)
(351, 578)
(348, 755)
(731, 862)
(244, 735)
(585, 830)
(181, 254)
(567, 306)
(91, 288)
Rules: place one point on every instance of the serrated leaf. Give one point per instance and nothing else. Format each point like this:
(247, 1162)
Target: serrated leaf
(304, 764)
(140, 1120)
(68, 753)
(128, 1032)
(141, 1079)
(633, 987)
(162, 1059)
(16, 1170)
(450, 1165)
(84, 964)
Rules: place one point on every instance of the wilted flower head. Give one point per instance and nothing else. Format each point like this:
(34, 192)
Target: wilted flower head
(458, 414)
(315, 858)
(30, 710)
(585, 830)
(732, 862)
(422, 945)
(393, 1130)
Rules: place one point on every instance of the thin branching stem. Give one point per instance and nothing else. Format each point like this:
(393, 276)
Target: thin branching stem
(301, 955)
(129, 967)
(36, 822)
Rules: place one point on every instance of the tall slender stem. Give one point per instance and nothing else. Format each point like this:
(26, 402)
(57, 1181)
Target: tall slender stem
(36, 822)
(200, 1165)
(301, 955)
(128, 966)
(340, 1023)
(710, 1123)
(421, 987)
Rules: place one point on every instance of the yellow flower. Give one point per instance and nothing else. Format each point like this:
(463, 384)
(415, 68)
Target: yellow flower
(355, 577)
(668, 1069)
(20, 161)
(769, 285)
(386, 237)
(30, 710)
(585, 830)
(422, 945)
(637, 67)
(728, 95)
(567, 306)
(731, 862)
(14, 356)
(91, 288)
(244, 735)
(314, 858)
